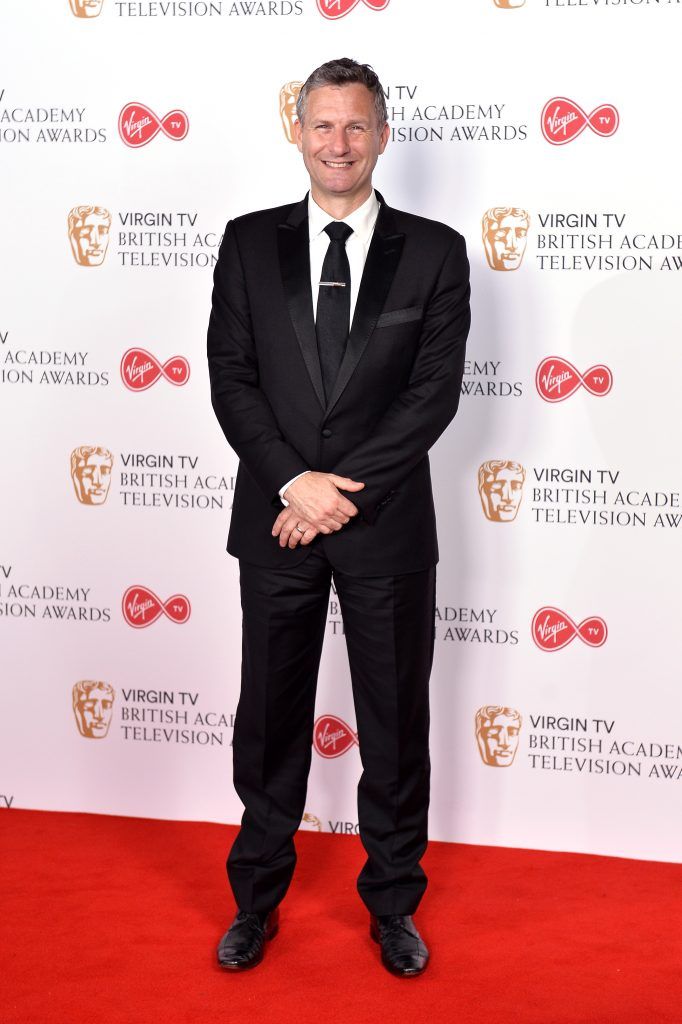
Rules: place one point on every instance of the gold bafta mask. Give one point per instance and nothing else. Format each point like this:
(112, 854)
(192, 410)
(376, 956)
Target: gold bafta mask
(91, 468)
(508, 4)
(497, 735)
(93, 706)
(288, 95)
(500, 487)
(309, 823)
(505, 233)
(89, 234)
(86, 8)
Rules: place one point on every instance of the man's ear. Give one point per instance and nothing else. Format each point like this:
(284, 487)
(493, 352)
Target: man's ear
(384, 137)
(298, 135)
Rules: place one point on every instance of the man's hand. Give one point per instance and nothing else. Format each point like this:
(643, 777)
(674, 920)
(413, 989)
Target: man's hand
(292, 530)
(315, 504)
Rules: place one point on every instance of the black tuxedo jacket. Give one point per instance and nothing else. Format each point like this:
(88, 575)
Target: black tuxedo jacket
(397, 389)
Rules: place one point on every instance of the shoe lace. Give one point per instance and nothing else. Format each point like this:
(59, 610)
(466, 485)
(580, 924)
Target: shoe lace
(394, 925)
(252, 920)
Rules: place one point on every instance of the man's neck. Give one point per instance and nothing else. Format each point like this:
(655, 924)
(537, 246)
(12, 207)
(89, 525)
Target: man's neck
(340, 207)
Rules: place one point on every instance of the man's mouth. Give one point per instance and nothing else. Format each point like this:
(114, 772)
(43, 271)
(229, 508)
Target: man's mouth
(338, 164)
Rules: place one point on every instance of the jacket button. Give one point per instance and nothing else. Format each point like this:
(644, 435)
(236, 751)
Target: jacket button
(326, 432)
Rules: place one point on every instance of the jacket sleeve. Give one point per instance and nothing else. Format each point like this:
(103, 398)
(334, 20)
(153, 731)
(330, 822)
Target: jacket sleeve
(419, 414)
(242, 409)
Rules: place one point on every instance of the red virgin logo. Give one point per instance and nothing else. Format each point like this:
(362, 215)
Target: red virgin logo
(141, 607)
(552, 629)
(140, 369)
(556, 379)
(334, 9)
(562, 120)
(138, 125)
(332, 736)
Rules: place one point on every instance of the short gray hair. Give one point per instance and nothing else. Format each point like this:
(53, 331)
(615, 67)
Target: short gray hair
(344, 71)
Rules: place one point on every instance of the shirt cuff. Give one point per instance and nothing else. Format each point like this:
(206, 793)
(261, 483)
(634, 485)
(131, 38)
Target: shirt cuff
(288, 484)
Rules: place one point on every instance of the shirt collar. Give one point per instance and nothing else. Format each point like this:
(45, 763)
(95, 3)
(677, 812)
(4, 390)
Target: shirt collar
(362, 220)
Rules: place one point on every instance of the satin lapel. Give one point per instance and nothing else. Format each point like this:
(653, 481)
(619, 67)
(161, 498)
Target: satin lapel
(294, 258)
(380, 267)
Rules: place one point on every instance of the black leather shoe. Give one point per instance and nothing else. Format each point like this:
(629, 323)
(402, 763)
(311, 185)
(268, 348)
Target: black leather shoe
(403, 951)
(243, 944)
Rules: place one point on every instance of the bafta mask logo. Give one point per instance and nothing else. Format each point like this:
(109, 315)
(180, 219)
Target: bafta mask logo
(497, 735)
(500, 487)
(89, 234)
(288, 95)
(86, 8)
(310, 823)
(509, 4)
(505, 233)
(93, 706)
(91, 468)
(333, 9)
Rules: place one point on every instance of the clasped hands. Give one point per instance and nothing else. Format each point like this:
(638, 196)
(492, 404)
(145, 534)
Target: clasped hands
(316, 505)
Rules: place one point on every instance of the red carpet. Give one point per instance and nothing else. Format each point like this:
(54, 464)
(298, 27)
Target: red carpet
(109, 920)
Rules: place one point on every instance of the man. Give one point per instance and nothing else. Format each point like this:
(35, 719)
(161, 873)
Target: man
(336, 350)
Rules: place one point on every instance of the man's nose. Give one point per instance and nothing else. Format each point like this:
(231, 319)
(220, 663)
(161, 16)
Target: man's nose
(338, 143)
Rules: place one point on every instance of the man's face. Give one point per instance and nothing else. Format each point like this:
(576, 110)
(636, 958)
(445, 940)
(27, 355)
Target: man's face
(498, 740)
(340, 141)
(86, 8)
(89, 239)
(506, 242)
(501, 495)
(91, 478)
(94, 711)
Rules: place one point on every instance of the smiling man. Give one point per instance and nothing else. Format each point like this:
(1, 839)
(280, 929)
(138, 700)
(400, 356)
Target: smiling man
(336, 350)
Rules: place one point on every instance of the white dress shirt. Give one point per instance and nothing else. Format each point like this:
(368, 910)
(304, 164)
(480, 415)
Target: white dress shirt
(362, 222)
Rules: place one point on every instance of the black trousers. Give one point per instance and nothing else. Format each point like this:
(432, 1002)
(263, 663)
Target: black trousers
(389, 630)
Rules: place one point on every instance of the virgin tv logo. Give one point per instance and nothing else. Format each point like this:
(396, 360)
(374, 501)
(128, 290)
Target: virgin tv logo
(334, 9)
(552, 629)
(562, 120)
(138, 125)
(141, 607)
(140, 369)
(332, 737)
(556, 379)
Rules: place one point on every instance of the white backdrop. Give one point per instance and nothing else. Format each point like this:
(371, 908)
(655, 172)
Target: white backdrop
(580, 745)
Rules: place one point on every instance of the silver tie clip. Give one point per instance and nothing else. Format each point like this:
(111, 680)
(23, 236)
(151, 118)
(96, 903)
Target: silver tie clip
(332, 284)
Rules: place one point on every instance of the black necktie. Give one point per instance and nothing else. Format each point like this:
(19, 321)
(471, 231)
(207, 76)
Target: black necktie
(332, 322)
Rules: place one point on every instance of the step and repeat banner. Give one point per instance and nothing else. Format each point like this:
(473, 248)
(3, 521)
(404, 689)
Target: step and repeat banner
(543, 130)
